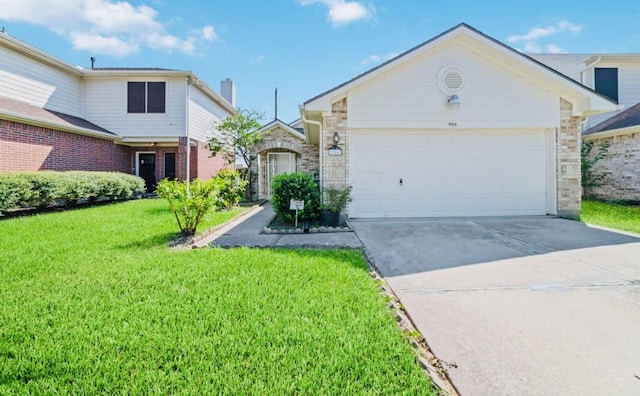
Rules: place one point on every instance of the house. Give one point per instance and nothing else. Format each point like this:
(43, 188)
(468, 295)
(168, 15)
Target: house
(618, 77)
(461, 125)
(150, 122)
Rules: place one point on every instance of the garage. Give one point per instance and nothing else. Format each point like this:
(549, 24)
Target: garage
(448, 173)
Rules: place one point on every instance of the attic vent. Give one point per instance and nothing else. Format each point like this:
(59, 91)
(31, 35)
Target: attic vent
(450, 80)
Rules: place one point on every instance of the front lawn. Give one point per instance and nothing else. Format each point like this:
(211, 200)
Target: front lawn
(621, 217)
(94, 302)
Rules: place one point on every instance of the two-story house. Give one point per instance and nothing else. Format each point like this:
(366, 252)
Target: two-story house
(616, 76)
(146, 121)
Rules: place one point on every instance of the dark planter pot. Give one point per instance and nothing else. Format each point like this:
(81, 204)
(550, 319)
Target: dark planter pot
(330, 219)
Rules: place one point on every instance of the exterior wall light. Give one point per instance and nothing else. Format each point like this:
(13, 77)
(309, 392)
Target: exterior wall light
(335, 149)
(454, 101)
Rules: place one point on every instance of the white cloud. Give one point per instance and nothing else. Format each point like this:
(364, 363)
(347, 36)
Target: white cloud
(257, 59)
(209, 33)
(374, 59)
(111, 27)
(531, 38)
(343, 12)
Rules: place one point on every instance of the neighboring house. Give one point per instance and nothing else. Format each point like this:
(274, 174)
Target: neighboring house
(144, 121)
(461, 125)
(618, 77)
(621, 165)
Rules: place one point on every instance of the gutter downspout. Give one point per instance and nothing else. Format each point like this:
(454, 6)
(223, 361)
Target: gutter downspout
(320, 148)
(585, 121)
(186, 123)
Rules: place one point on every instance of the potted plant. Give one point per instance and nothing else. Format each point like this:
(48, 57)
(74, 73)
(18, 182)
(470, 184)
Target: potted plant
(335, 200)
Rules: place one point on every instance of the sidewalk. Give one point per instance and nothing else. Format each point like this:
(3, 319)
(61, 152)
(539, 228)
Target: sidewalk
(247, 231)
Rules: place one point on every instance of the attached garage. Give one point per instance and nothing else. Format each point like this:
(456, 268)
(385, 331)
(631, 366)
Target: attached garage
(461, 125)
(449, 173)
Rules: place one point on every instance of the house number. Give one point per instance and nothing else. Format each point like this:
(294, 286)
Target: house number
(453, 124)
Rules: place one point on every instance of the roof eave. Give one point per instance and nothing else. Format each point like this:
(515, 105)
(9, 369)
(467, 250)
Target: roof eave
(15, 117)
(612, 132)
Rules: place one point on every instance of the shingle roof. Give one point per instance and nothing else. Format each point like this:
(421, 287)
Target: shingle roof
(625, 119)
(132, 69)
(33, 112)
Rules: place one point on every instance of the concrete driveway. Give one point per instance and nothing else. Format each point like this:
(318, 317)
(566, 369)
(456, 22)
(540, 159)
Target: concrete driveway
(518, 306)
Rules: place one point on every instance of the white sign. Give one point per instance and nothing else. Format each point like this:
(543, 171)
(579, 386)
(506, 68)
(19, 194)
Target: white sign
(296, 204)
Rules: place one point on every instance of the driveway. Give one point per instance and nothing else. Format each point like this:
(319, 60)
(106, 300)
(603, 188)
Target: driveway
(518, 306)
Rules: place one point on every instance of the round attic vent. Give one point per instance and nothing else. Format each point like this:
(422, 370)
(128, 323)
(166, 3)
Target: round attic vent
(450, 80)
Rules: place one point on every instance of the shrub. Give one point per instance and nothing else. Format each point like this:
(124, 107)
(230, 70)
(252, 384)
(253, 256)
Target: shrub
(589, 159)
(231, 186)
(299, 186)
(336, 199)
(44, 188)
(189, 205)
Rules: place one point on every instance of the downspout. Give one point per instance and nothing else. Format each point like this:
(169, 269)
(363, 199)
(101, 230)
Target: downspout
(583, 123)
(186, 118)
(320, 144)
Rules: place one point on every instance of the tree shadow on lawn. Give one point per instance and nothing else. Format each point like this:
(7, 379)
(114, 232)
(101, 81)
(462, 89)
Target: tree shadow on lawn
(150, 242)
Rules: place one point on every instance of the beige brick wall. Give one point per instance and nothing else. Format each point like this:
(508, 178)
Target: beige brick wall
(278, 140)
(621, 166)
(568, 163)
(335, 169)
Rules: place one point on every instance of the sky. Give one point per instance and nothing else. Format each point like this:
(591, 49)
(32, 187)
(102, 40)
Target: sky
(301, 47)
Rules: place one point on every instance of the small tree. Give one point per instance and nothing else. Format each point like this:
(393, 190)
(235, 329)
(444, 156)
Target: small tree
(589, 159)
(238, 134)
(190, 206)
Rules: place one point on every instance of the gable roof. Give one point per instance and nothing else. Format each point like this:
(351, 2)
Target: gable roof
(461, 29)
(22, 112)
(298, 133)
(627, 121)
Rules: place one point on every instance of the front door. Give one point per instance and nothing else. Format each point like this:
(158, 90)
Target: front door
(147, 170)
(277, 164)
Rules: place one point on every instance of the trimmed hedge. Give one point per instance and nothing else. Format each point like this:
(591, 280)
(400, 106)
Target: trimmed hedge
(299, 185)
(44, 188)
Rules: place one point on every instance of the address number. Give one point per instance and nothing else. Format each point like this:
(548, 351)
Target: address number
(452, 124)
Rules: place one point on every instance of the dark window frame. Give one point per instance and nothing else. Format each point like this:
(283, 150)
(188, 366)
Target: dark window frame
(606, 82)
(148, 97)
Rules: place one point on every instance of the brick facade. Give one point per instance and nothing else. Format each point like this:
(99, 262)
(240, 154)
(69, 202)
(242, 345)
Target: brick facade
(621, 166)
(568, 163)
(26, 147)
(335, 168)
(277, 140)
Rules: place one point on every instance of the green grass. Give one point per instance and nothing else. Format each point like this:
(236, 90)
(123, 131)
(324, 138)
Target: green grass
(621, 217)
(94, 302)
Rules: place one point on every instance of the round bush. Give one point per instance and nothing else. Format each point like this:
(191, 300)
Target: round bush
(298, 186)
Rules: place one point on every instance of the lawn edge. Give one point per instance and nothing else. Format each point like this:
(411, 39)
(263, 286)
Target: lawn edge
(433, 367)
(611, 229)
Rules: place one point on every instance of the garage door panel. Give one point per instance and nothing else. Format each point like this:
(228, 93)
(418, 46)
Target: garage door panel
(448, 173)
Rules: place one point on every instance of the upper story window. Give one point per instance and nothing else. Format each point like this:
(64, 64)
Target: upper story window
(606, 81)
(146, 97)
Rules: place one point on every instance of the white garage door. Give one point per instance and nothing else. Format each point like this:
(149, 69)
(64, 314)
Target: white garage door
(435, 174)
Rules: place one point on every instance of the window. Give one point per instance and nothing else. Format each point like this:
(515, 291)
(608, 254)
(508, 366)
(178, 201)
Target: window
(606, 81)
(146, 97)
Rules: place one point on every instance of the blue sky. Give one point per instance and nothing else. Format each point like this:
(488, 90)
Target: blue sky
(303, 47)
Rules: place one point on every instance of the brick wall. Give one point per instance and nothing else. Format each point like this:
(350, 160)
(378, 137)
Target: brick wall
(335, 169)
(621, 166)
(206, 166)
(568, 163)
(28, 147)
(278, 140)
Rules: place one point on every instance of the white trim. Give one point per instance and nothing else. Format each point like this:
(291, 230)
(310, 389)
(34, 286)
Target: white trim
(277, 123)
(15, 117)
(138, 160)
(611, 133)
(552, 172)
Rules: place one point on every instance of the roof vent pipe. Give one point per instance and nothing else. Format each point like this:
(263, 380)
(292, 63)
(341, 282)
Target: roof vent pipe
(93, 62)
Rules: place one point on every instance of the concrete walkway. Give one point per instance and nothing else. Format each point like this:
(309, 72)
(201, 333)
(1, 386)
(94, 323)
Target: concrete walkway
(247, 231)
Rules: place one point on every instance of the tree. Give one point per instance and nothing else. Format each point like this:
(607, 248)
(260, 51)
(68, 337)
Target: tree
(238, 134)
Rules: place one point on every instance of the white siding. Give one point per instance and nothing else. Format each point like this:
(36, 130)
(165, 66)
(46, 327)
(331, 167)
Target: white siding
(628, 87)
(409, 97)
(40, 85)
(571, 65)
(106, 105)
(203, 112)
